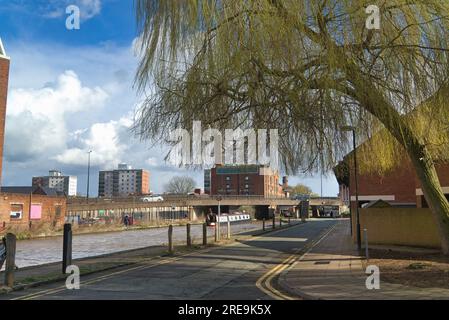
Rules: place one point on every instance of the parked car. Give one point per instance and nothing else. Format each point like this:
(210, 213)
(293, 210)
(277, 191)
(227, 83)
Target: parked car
(152, 199)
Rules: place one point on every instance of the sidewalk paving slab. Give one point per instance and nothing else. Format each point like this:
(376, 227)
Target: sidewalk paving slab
(333, 269)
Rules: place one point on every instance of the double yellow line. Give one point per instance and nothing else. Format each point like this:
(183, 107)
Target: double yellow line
(264, 283)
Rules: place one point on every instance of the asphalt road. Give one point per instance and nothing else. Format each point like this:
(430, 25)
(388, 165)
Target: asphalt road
(237, 271)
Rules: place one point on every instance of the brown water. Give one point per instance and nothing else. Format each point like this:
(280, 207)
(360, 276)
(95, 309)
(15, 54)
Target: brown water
(40, 251)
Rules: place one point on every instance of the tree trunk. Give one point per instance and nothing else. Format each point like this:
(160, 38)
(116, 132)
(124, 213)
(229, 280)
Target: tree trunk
(374, 102)
(438, 204)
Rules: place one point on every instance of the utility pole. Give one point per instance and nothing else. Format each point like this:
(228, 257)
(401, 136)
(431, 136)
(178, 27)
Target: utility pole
(359, 237)
(218, 218)
(321, 183)
(354, 150)
(88, 173)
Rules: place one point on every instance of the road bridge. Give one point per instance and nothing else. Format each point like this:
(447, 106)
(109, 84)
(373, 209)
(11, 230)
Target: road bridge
(183, 207)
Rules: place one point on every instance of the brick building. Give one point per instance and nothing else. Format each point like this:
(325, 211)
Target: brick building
(245, 180)
(398, 187)
(23, 205)
(18, 210)
(4, 77)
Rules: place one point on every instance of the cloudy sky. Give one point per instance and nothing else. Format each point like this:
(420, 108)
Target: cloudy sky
(71, 91)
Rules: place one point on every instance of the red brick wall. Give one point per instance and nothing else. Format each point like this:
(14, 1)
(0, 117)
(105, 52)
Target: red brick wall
(4, 75)
(401, 182)
(145, 182)
(261, 185)
(49, 205)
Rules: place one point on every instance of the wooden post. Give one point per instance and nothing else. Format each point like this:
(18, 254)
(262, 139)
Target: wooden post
(274, 221)
(67, 247)
(204, 234)
(10, 259)
(170, 239)
(288, 220)
(365, 233)
(189, 238)
(280, 221)
(263, 224)
(216, 232)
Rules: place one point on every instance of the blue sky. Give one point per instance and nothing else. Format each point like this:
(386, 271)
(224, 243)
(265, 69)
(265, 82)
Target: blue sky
(71, 91)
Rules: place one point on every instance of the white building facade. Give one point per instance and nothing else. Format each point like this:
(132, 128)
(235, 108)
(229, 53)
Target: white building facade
(55, 180)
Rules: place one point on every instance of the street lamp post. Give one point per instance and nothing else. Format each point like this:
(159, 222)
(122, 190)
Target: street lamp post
(359, 239)
(218, 218)
(88, 173)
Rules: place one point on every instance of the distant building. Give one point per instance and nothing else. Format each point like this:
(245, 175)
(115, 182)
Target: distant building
(55, 180)
(207, 181)
(124, 181)
(256, 180)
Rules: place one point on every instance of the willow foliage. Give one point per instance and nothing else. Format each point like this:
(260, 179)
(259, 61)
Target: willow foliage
(303, 67)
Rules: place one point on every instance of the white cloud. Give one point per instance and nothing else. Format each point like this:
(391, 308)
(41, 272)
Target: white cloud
(37, 118)
(103, 139)
(89, 8)
(152, 162)
(56, 9)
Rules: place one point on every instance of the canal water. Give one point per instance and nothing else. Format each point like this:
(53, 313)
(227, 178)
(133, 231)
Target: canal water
(40, 251)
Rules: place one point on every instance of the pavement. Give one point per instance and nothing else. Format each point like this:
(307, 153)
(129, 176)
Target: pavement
(243, 269)
(333, 269)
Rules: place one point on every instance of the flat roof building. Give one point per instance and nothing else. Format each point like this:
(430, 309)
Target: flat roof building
(55, 180)
(123, 181)
(257, 180)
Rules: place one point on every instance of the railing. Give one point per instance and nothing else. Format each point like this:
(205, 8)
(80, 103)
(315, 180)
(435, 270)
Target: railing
(168, 198)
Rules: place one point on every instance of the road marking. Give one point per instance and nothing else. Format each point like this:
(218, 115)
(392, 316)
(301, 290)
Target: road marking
(110, 275)
(143, 267)
(264, 283)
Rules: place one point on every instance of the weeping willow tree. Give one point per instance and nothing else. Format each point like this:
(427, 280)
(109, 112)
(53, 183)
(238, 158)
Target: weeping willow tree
(305, 68)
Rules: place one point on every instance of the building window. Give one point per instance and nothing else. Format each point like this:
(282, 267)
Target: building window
(16, 211)
(228, 186)
(228, 178)
(246, 186)
(246, 178)
(58, 211)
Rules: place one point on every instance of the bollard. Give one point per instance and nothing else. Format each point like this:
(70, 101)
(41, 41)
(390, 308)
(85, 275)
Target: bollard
(67, 247)
(204, 234)
(274, 221)
(170, 239)
(288, 220)
(365, 231)
(216, 232)
(10, 259)
(189, 238)
(280, 221)
(263, 224)
(229, 229)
